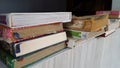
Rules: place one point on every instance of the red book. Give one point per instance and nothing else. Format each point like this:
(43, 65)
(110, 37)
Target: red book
(24, 33)
(112, 14)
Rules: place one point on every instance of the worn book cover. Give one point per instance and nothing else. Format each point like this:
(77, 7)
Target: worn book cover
(90, 23)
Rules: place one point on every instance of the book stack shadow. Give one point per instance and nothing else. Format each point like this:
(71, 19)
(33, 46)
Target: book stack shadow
(26, 38)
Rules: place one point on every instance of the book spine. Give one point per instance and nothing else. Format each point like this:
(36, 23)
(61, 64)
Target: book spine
(7, 59)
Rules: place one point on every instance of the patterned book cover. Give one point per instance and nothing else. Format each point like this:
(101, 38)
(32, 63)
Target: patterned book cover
(11, 62)
(19, 34)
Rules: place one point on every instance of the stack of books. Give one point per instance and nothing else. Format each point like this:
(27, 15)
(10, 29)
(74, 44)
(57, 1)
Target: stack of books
(86, 26)
(28, 37)
(113, 21)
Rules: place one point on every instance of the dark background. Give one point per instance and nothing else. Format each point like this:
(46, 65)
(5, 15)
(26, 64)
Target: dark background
(78, 7)
(32, 5)
(88, 7)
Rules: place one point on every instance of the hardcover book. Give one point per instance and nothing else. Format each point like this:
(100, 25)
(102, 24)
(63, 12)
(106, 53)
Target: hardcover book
(90, 23)
(30, 19)
(25, 47)
(19, 34)
(11, 62)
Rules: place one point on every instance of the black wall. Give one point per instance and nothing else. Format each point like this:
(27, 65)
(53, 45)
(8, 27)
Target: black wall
(88, 7)
(32, 5)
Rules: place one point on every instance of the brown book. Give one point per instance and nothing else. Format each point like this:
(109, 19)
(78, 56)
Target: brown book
(19, 34)
(91, 23)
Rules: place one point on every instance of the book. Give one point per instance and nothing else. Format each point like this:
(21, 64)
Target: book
(31, 19)
(113, 25)
(90, 23)
(82, 34)
(12, 62)
(25, 47)
(19, 34)
(107, 33)
(112, 14)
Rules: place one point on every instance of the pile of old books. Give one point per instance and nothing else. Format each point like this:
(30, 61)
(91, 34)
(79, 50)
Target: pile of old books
(28, 37)
(86, 26)
(103, 23)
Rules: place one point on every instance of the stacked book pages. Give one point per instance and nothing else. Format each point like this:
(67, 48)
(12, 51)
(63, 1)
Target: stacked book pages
(28, 37)
(86, 26)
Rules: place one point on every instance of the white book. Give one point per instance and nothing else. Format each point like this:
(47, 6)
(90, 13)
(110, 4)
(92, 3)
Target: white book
(29, 46)
(30, 19)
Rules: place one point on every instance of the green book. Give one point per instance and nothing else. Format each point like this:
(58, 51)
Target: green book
(82, 34)
(76, 34)
(7, 58)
